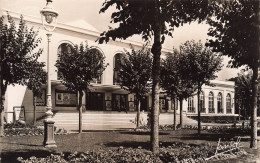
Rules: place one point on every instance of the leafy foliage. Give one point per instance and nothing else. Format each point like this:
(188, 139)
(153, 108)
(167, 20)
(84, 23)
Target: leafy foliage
(175, 152)
(18, 56)
(243, 92)
(201, 63)
(18, 52)
(137, 17)
(37, 77)
(79, 68)
(199, 67)
(173, 78)
(152, 18)
(235, 32)
(135, 72)
(17, 129)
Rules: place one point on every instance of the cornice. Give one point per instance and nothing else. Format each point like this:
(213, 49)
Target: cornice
(67, 27)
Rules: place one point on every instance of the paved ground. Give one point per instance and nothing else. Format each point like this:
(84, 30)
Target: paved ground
(13, 147)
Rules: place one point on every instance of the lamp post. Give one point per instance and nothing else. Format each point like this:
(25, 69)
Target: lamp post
(49, 21)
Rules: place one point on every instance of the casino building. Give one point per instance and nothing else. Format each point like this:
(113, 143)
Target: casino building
(106, 94)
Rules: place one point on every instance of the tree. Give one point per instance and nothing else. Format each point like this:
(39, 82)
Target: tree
(243, 92)
(155, 19)
(175, 83)
(38, 77)
(78, 69)
(235, 32)
(135, 74)
(18, 54)
(201, 65)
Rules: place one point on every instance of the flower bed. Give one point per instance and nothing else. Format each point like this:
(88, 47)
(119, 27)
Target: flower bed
(215, 119)
(19, 129)
(238, 131)
(177, 152)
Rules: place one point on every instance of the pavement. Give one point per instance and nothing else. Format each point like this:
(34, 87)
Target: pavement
(98, 120)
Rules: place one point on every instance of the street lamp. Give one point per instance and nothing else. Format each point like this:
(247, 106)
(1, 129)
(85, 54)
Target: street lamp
(49, 21)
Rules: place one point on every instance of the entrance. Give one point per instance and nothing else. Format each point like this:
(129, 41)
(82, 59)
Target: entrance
(143, 102)
(94, 101)
(119, 102)
(163, 104)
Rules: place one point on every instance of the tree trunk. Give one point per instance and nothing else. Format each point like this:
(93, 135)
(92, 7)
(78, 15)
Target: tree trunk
(34, 109)
(239, 112)
(156, 50)
(2, 122)
(253, 141)
(199, 124)
(2, 115)
(181, 114)
(138, 112)
(1, 102)
(174, 114)
(245, 111)
(80, 111)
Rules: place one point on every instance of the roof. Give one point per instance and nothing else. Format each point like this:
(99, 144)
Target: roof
(81, 23)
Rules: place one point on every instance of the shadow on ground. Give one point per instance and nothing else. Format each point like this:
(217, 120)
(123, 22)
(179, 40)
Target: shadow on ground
(141, 133)
(206, 137)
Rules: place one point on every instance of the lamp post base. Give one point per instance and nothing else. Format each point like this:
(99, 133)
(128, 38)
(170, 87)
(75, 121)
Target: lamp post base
(49, 141)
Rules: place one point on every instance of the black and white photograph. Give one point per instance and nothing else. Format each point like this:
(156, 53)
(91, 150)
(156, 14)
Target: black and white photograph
(154, 81)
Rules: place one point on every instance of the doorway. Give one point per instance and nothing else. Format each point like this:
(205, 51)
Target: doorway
(143, 102)
(119, 102)
(94, 101)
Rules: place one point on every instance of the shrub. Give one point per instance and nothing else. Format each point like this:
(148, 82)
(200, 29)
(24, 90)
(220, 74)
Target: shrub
(238, 131)
(215, 119)
(180, 152)
(17, 129)
(177, 152)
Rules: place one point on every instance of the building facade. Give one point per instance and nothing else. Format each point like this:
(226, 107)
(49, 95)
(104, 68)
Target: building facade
(105, 93)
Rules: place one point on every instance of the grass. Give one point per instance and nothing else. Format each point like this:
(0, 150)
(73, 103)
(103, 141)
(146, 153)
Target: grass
(26, 146)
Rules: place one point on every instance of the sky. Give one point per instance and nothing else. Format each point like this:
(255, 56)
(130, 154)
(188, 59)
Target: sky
(88, 10)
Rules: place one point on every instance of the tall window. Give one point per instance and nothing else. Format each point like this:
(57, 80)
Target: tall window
(220, 110)
(228, 103)
(202, 102)
(191, 105)
(117, 65)
(62, 49)
(211, 103)
(97, 53)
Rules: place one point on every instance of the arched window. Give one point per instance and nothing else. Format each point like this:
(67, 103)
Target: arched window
(228, 103)
(191, 105)
(96, 52)
(220, 110)
(211, 103)
(117, 65)
(64, 48)
(202, 102)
